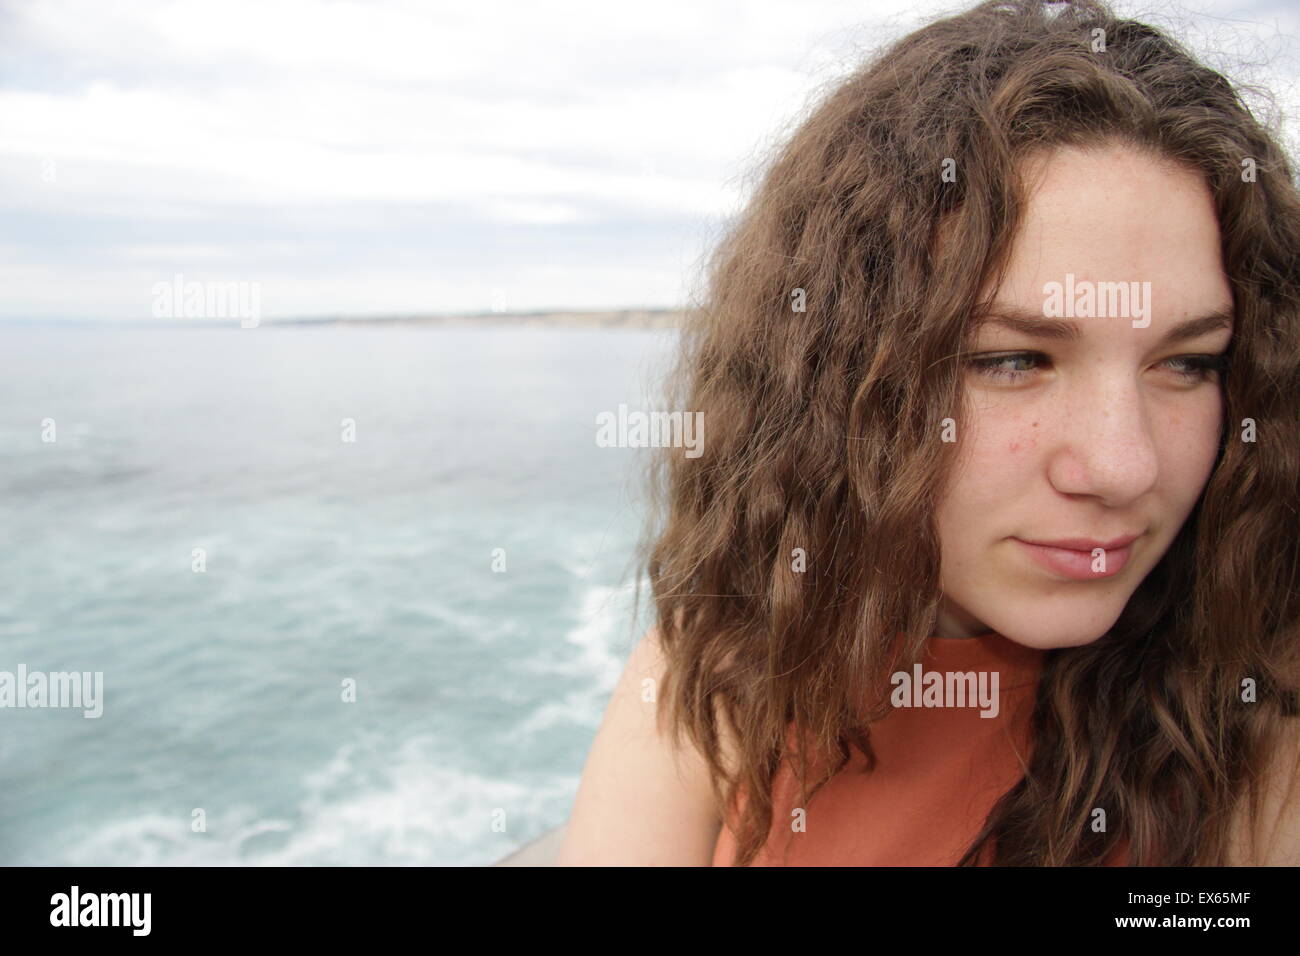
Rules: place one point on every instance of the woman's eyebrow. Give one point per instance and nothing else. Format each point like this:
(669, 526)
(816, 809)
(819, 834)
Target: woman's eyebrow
(1028, 322)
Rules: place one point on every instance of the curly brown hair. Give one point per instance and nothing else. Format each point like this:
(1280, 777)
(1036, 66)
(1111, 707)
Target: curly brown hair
(822, 430)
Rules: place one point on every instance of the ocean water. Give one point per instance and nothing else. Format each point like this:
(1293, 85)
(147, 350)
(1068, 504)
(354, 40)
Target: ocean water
(477, 693)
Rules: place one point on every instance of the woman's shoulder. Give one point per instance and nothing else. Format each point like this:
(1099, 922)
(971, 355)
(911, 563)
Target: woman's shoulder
(1277, 837)
(645, 796)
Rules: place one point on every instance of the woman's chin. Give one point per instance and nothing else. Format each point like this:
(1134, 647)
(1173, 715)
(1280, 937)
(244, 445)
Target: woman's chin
(1050, 628)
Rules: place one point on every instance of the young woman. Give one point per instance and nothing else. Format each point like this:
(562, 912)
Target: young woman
(1000, 374)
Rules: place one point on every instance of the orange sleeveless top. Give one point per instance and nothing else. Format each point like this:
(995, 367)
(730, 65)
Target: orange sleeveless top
(939, 771)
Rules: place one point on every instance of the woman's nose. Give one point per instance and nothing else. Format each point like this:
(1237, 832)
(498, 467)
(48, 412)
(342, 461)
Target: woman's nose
(1108, 447)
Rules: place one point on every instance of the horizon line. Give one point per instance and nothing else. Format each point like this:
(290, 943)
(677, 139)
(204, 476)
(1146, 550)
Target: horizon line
(648, 316)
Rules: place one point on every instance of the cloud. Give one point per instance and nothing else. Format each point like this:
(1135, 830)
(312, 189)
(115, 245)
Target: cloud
(404, 154)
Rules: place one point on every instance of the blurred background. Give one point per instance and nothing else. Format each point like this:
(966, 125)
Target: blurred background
(307, 313)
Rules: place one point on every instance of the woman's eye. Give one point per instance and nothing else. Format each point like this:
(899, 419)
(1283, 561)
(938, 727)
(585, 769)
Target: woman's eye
(1010, 366)
(998, 366)
(1197, 368)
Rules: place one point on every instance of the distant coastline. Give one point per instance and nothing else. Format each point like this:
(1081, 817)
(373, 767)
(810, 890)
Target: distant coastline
(605, 319)
(568, 318)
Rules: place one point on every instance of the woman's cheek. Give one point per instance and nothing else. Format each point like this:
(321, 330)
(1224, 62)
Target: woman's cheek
(1191, 448)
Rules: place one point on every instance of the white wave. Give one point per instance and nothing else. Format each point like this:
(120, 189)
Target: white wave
(602, 619)
(602, 613)
(360, 809)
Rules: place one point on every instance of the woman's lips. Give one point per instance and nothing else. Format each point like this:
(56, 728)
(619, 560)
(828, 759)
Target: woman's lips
(1076, 565)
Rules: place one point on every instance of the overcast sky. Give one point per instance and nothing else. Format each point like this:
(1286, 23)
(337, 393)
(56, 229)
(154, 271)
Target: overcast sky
(397, 157)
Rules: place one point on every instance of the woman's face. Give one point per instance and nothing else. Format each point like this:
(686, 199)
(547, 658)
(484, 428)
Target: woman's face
(1098, 436)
